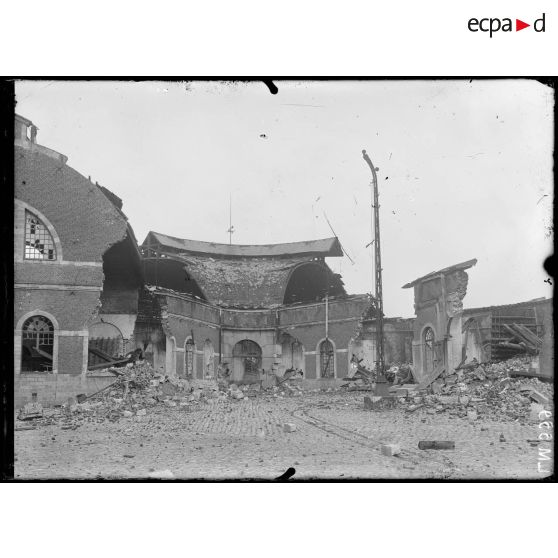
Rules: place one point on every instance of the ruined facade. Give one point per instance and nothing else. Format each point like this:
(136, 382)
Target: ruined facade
(83, 287)
(256, 309)
(446, 334)
(77, 271)
(484, 330)
(438, 332)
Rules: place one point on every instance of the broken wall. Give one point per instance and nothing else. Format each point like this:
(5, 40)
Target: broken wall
(439, 308)
(307, 324)
(398, 337)
(64, 290)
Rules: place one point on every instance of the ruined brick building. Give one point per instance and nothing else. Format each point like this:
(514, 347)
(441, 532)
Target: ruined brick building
(254, 308)
(82, 284)
(446, 334)
(77, 272)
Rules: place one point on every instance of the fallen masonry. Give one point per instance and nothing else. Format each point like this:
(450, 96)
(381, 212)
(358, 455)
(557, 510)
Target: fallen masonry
(496, 390)
(138, 387)
(488, 391)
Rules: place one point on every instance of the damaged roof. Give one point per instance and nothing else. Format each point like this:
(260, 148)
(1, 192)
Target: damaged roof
(253, 276)
(326, 247)
(457, 267)
(243, 282)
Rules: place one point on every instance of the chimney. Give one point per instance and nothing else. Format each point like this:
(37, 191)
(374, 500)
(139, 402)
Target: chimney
(24, 130)
(25, 135)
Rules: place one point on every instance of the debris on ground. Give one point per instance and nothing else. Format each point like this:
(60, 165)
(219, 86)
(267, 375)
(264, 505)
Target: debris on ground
(372, 403)
(495, 390)
(436, 445)
(475, 391)
(31, 411)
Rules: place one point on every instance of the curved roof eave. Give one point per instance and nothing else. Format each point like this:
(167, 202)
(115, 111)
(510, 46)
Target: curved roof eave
(326, 247)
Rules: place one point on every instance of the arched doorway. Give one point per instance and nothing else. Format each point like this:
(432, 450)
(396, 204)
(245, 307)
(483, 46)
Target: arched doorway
(37, 344)
(247, 360)
(428, 343)
(208, 360)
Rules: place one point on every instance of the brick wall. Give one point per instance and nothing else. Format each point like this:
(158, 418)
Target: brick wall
(181, 329)
(86, 222)
(55, 389)
(72, 309)
(83, 224)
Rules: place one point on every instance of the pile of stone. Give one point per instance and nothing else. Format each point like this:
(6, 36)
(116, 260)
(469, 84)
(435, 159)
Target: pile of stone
(136, 388)
(491, 390)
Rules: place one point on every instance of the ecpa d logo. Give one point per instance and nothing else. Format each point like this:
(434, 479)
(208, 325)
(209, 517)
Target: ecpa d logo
(492, 25)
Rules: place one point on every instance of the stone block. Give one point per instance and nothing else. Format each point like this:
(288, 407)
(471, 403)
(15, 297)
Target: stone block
(289, 427)
(538, 397)
(141, 412)
(536, 408)
(372, 403)
(127, 414)
(168, 389)
(390, 450)
(437, 386)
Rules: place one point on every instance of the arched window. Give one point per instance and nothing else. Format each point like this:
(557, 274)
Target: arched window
(39, 244)
(37, 344)
(428, 336)
(327, 360)
(189, 350)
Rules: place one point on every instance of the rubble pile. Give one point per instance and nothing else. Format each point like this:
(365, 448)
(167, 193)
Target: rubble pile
(492, 390)
(138, 387)
(135, 388)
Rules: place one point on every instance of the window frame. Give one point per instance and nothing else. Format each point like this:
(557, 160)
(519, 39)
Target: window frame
(47, 234)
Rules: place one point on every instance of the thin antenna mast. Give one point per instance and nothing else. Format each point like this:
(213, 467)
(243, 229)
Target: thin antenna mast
(231, 228)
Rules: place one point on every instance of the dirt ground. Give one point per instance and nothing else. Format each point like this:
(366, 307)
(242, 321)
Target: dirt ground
(334, 438)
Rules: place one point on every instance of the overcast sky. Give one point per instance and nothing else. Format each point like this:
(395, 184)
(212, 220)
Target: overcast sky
(465, 169)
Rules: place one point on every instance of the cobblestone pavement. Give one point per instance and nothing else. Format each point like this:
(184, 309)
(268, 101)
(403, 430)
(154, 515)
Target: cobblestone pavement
(335, 438)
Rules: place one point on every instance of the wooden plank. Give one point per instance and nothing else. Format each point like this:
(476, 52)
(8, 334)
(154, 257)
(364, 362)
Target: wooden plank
(433, 376)
(535, 340)
(101, 354)
(43, 354)
(108, 365)
(515, 346)
(521, 337)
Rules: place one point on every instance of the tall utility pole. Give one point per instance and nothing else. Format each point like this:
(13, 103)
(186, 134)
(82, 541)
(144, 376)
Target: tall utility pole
(380, 360)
